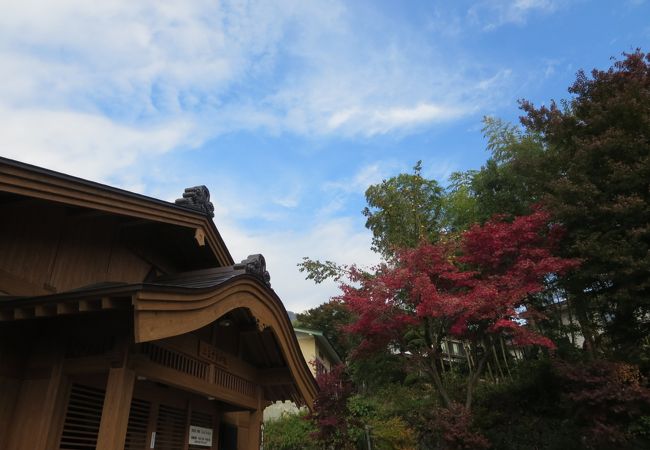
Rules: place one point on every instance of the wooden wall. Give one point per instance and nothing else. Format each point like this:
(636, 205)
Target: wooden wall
(46, 248)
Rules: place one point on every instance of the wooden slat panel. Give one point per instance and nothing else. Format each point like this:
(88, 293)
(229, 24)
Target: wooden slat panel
(171, 428)
(136, 433)
(82, 418)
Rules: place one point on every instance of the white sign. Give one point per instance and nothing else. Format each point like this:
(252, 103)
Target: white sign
(200, 436)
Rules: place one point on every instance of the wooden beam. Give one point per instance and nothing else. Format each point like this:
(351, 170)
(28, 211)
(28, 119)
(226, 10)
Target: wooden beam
(86, 364)
(107, 303)
(67, 308)
(90, 305)
(115, 414)
(24, 313)
(45, 310)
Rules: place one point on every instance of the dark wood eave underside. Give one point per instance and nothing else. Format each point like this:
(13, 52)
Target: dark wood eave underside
(32, 181)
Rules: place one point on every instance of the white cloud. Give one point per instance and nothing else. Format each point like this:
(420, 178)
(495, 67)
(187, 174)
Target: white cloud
(381, 121)
(372, 173)
(491, 14)
(87, 145)
(289, 66)
(335, 239)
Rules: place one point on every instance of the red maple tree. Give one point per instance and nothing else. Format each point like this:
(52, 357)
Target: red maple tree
(474, 288)
(330, 413)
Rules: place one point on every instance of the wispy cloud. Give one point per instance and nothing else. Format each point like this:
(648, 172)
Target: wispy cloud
(291, 66)
(364, 176)
(492, 14)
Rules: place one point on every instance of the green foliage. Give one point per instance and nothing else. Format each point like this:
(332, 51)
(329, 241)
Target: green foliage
(390, 416)
(391, 433)
(319, 271)
(378, 370)
(525, 412)
(403, 210)
(600, 144)
(329, 318)
(460, 209)
(512, 179)
(289, 432)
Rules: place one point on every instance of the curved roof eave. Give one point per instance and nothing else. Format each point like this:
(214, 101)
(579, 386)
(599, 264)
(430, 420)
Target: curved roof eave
(160, 313)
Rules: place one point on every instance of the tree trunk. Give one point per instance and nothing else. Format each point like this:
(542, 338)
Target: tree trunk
(433, 345)
(496, 359)
(471, 382)
(437, 382)
(505, 357)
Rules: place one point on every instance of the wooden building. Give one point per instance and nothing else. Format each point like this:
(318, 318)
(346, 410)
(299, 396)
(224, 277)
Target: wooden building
(126, 324)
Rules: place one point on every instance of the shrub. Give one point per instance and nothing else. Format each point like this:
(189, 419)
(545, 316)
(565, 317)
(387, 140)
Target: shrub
(289, 432)
(609, 400)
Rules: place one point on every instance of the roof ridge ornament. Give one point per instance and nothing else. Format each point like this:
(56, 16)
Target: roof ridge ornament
(198, 198)
(255, 265)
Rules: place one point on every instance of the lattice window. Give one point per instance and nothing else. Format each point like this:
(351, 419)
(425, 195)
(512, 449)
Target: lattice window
(82, 418)
(170, 428)
(136, 432)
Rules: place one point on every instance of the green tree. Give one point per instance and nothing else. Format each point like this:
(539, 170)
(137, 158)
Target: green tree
(600, 143)
(403, 210)
(460, 209)
(329, 318)
(513, 178)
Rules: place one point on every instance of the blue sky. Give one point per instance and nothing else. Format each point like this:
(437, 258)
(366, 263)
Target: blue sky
(287, 110)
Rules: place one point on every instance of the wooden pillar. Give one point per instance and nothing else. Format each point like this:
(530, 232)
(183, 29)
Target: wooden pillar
(115, 414)
(36, 406)
(255, 422)
(255, 430)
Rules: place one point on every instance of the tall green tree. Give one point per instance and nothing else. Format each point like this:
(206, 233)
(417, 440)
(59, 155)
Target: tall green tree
(514, 177)
(509, 183)
(460, 209)
(403, 210)
(600, 142)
